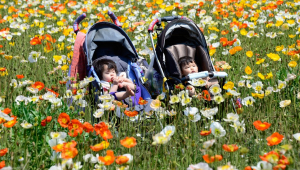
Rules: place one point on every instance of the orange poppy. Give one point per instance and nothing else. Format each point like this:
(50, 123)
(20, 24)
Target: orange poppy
(87, 127)
(62, 82)
(261, 126)
(279, 167)
(49, 38)
(122, 159)
(106, 134)
(72, 3)
(2, 164)
(274, 139)
(69, 154)
(11, 123)
(109, 158)
(2, 120)
(38, 85)
(208, 159)
(63, 120)
(230, 148)
(74, 91)
(205, 132)
(272, 157)
(218, 157)
(35, 41)
(47, 120)
(118, 103)
(128, 142)
(279, 2)
(218, 68)
(131, 113)
(69, 145)
(142, 101)
(230, 43)
(284, 160)
(206, 95)
(3, 151)
(64, 146)
(58, 148)
(100, 127)
(248, 168)
(75, 126)
(100, 146)
(148, 4)
(224, 32)
(6, 111)
(52, 91)
(20, 76)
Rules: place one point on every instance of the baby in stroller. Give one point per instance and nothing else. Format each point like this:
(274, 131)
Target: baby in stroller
(107, 72)
(187, 66)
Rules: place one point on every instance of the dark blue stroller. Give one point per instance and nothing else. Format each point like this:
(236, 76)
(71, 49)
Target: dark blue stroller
(109, 41)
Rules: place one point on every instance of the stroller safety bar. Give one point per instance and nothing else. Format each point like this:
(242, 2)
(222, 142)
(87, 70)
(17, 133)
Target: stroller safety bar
(114, 18)
(218, 74)
(165, 19)
(77, 21)
(204, 74)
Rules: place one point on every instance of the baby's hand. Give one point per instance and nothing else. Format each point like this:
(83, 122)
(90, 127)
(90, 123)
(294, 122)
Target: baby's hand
(121, 79)
(129, 91)
(121, 84)
(191, 90)
(115, 80)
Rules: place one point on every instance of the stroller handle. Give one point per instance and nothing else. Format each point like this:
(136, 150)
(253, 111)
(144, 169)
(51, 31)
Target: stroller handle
(77, 21)
(165, 19)
(153, 23)
(114, 18)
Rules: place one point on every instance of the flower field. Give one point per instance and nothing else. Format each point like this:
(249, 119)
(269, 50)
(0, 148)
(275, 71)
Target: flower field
(249, 122)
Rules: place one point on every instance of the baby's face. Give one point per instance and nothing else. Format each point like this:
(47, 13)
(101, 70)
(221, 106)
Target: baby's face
(189, 68)
(107, 75)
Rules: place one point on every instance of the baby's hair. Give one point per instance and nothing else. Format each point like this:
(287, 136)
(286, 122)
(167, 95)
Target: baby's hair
(99, 66)
(183, 61)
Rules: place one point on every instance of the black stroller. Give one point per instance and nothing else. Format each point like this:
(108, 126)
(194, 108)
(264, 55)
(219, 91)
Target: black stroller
(181, 37)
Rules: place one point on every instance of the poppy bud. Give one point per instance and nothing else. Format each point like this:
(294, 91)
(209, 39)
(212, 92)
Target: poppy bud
(244, 150)
(82, 113)
(239, 110)
(71, 107)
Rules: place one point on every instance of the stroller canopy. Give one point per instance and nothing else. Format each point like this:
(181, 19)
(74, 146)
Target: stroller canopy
(182, 31)
(180, 38)
(104, 38)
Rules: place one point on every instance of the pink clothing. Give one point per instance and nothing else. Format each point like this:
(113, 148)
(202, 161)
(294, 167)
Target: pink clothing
(79, 62)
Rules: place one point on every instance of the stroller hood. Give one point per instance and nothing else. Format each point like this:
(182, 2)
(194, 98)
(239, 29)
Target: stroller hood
(104, 38)
(194, 33)
(182, 37)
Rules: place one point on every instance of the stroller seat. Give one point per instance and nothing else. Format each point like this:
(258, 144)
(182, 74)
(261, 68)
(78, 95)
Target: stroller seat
(174, 52)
